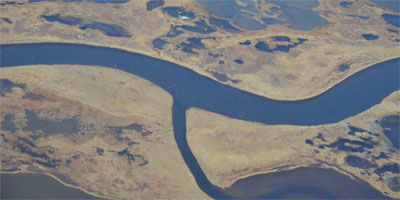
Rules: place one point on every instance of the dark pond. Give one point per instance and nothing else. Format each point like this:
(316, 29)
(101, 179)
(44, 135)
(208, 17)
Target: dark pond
(8, 123)
(358, 162)
(392, 19)
(281, 38)
(7, 20)
(346, 4)
(220, 77)
(189, 89)
(113, 30)
(7, 3)
(247, 43)
(201, 27)
(344, 144)
(344, 67)
(389, 4)
(391, 167)
(37, 186)
(225, 24)
(51, 126)
(361, 17)
(192, 43)
(179, 12)
(369, 36)
(393, 31)
(173, 32)
(394, 183)
(152, 4)
(25, 146)
(302, 183)
(6, 86)
(32, 96)
(263, 46)
(158, 43)
(391, 128)
(238, 61)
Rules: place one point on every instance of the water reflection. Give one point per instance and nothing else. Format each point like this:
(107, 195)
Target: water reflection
(302, 183)
(37, 186)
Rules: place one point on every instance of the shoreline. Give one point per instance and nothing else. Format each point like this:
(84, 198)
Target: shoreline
(193, 68)
(59, 180)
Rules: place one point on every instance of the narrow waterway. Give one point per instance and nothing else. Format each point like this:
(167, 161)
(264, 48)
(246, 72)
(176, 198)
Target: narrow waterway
(189, 89)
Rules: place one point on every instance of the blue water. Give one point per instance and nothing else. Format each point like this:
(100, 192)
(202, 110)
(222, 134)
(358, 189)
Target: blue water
(392, 19)
(201, 27)
(192, 43)
(158, 43)
(189, 89)
(38, 186)
(346, 4)
(344, 67)
(193, 90)
(299, 14)
(113, 30)
(7, 3)
(238, 61)
(7, 20)
(393, 31)
(302, 183)
(263, 46)
(391, 128)
(152, 4)
(369, 36)
(279, 38)
(225, 24)
(178, 12)
(393, 5)
(228, 9)
(246, 43)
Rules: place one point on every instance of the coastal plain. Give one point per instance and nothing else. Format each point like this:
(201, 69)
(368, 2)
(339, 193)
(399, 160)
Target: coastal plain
(110, 133)
(276, 61)
(362, 147)
(101, 130)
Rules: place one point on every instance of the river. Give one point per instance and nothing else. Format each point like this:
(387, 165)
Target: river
(189, 89)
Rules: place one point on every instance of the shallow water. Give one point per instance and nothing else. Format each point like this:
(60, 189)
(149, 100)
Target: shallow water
(113, 30)
(393, 5)
(302, 183)
(391, 128)
(299, 14)
(228, 9)
(37, 186)
(393, 20)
